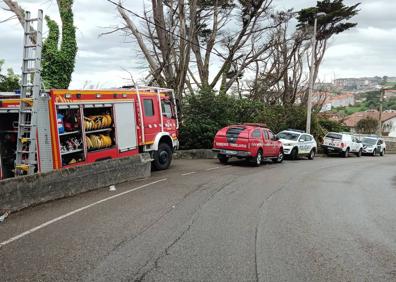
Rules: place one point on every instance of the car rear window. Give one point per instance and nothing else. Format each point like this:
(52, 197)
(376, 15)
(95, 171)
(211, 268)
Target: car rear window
(233, 133)
(333, 135)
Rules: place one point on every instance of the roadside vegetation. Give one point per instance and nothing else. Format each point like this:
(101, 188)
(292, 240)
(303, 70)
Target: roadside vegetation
(9, 81)
(205, 113)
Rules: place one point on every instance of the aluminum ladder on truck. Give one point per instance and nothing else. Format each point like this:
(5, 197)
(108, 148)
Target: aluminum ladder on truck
(30, 93)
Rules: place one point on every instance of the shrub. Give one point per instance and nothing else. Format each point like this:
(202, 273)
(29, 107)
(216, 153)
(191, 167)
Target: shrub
(367, 125)
(205, 113)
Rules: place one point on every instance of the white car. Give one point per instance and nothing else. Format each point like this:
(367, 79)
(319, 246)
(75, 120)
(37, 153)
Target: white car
(342, 143)
(373, 146)
(297, 143)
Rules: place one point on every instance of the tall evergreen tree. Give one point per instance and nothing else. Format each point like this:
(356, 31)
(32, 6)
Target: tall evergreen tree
(335, 21)
(58, 62)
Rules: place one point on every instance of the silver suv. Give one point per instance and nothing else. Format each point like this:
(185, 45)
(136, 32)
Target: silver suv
(373, 145)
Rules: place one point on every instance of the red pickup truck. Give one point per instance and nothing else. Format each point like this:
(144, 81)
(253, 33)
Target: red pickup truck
(253, 142)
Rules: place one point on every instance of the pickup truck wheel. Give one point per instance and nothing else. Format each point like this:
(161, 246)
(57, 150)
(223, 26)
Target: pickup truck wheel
(259, 158)
(223, 159)
(311, 155)
(280, 157)
(162, 157)
(294, 154)
(382, 153)
(346, 153)
(359, 154)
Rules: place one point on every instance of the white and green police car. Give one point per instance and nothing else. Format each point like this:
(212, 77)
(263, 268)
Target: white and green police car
(298, 143)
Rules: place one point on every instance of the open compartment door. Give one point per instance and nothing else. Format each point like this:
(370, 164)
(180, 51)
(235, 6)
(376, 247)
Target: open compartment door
(125, 123)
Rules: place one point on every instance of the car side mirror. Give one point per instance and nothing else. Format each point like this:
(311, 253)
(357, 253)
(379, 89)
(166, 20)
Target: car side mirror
(276, 138)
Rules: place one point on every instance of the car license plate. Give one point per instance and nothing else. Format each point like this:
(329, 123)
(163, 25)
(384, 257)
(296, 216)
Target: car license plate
(230, 152)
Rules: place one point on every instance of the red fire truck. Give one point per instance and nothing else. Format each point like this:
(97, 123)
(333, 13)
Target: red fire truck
(77, 127)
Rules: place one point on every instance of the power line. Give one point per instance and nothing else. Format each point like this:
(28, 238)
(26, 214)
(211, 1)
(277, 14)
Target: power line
(217, 53)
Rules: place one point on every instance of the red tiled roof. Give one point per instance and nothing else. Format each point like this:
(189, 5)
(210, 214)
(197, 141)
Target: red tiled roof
(352, 120)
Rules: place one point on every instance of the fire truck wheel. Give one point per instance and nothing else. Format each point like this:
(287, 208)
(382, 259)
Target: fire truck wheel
(280, 157)
(162, 157)
(223, 159)
(259, 158)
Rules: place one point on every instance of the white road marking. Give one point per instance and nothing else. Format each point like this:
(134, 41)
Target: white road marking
(213, 168)
(2, 244)
(188, 173)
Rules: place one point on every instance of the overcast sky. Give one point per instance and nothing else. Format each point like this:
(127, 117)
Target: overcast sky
(366, 50)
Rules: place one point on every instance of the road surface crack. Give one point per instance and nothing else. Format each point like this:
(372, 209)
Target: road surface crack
(155, 265)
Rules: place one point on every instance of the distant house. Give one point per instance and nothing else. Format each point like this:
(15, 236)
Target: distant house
(389, 94)
(388, 121)
(335, 101)
(363, 83)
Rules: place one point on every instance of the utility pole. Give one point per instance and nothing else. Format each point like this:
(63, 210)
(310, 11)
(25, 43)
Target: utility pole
(311, 74)
(382, 93)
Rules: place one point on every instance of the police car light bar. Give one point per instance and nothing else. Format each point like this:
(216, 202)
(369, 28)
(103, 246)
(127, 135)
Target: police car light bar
(296, 130)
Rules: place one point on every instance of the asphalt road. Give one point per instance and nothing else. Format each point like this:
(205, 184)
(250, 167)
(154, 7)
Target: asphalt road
(330, 219)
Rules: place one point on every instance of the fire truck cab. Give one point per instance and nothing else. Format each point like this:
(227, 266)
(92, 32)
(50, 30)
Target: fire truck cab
(77, 127)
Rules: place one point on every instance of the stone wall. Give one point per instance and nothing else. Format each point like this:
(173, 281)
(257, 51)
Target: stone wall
(195, 154)
(22, 192)
(390, 146)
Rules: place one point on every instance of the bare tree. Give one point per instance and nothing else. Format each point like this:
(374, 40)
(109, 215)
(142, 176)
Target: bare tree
(201, 44)
(164, 39)
(279, 78)
(238, 47)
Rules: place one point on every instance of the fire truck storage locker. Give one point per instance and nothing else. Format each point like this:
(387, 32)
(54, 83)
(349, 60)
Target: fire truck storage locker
(88, 132)
(8, 139)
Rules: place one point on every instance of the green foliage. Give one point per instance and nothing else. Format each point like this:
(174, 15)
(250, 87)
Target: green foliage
(367, 125)
(335, 21)
(205, 113)
(332, 126)
(58, 63)
(10, 81)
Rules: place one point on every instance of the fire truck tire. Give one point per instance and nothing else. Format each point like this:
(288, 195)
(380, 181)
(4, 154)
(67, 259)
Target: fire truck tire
(223, 159)
(162, 157)
(259, 158)
(280, 157)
